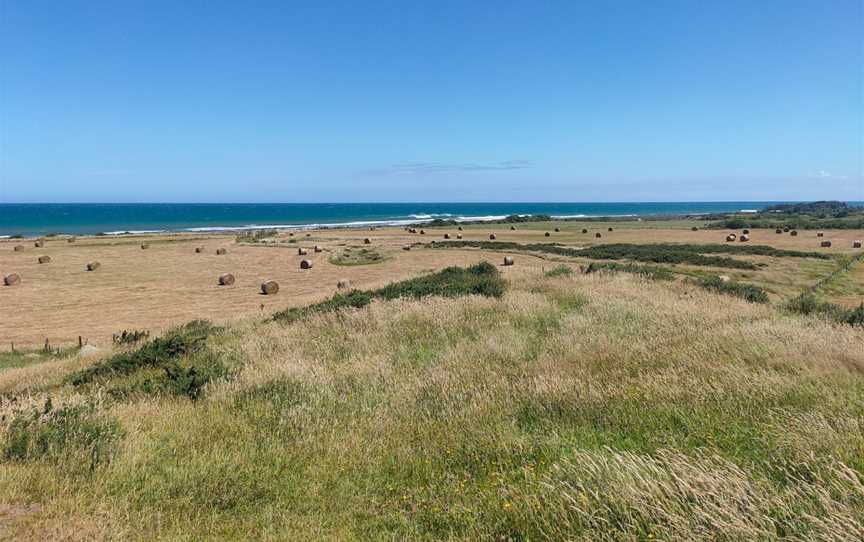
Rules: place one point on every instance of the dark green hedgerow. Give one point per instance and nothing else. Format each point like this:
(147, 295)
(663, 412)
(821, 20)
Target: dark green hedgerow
(480, 279)
(747, 292)
(808, 304)
(647, 271)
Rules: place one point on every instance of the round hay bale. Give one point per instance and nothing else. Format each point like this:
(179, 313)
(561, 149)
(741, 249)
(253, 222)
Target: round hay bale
(71, 240)
(786, 229)
(343, 284)
(597, 235)
(44, 259)
(508, 260)
(93, 266)
(221, 251)
(610, 229)
(305, 264)
(18, 248)
(744, 237)
(308, 235)
(778, 230)
(144, 246)
(458, 236)
(825, 244)
(820, 234)
(731, 237)
(290, 234)
(39, 244)
(856, 244)
(406, 247)
(460, 228)
(318, 248)
(301, 251)
(199, 250)
(367, 241)
(547, 234)
(584, 230)
(512, 228)
(694, 228)
(745, 232)
(492, 236)
(446, 236)
(269, 287)
(724, 278)
(11, 279)
(794, 233)
(226, 279)
(557, 230)
(422, 232)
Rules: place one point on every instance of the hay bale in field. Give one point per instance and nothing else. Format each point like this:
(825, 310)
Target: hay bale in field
(820, 234)
(786, 229)
(825, 244)
(93, 266)
(305, 264)
(731, 237)
(144, 246)
(11, 279)
(856, 244)
(71, 240)
(492, 236)
(508, 260)
(269, 287)
(557, 230)
(422, 232)
(458, 236)
(460, 228)
(597, 235)
(18, 248)
(512, 228)
(694, 228)
(301, 251)
(745, 232)
(290, 234)
(778, 230)
(343, 284)
(446, 236)
(226, 279)
(199, 250)
(367, 241)
(610, 229)
(744, 238)
(793, 233)
(39, 244)
(547, 234)
(406, 247)
(308, 235)
(221, 251)
(724, 278)
(584, 230)
(44, 259)
(318, 248)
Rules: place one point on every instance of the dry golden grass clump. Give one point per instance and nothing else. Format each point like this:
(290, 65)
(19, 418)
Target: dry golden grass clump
(11, 279)
(269, 287)
(305, 264)
(93, 266)
(226, 279)
(44, 259)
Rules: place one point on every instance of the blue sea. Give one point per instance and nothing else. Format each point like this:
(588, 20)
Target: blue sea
(89, 218)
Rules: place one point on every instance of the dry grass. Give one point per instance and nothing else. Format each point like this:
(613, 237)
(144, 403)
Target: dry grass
(580, 407)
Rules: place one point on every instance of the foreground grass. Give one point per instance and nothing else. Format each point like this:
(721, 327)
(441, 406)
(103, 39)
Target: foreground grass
(596, 406)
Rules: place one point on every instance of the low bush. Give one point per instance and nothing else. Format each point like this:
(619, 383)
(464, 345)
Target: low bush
(647, 271)
(560, 271)
(747, 292)
(808, 304)
(480, 279)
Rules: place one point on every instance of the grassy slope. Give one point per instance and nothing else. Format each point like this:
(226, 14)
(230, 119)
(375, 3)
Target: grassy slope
(590, 407)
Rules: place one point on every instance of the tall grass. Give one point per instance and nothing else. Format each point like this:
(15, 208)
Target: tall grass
(595, 406)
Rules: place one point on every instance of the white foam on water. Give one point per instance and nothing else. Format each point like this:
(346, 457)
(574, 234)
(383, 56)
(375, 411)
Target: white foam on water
(133, 232)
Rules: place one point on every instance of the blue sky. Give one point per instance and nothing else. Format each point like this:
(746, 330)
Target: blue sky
(431, 101)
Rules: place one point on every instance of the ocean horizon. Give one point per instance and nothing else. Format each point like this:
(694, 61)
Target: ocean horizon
(31, 219)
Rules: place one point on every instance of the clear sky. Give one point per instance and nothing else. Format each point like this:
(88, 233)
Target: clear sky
(431, 101)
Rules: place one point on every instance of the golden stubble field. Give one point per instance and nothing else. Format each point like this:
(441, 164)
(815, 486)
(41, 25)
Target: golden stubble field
(169, 283)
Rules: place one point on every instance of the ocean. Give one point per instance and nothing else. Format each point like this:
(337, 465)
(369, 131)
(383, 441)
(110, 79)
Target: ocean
(90, 218)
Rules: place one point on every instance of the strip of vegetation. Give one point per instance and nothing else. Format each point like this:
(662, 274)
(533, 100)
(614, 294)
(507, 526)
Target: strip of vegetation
(560, 271)
(357, 256)
(799, 216)
(747, 292)
(67, 433)
(648, 271)
(176, 363)
(480, 279)
(255, 236)
(808, 304)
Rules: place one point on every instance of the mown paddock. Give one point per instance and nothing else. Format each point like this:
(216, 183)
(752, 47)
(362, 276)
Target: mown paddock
(169, 283)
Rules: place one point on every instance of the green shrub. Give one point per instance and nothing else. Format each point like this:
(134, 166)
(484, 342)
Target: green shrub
(747, 292)
(57, 434)
(560, 271)
(808, 304)
(481, 279)
(647, 271)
